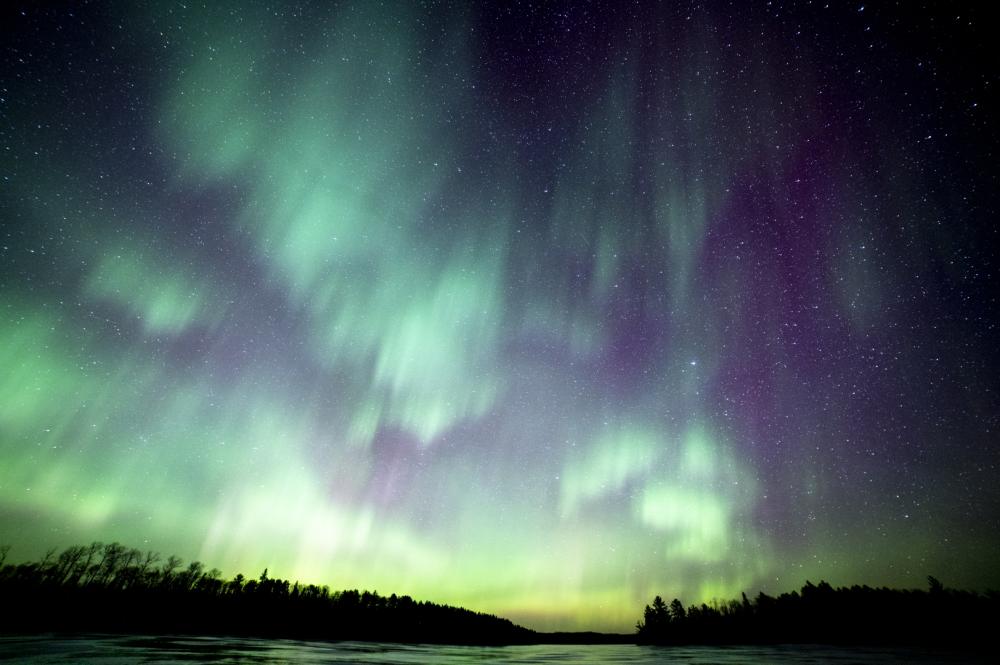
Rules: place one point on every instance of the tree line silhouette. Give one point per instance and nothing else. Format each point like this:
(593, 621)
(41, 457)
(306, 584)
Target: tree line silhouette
(112, 588)
(822, 614)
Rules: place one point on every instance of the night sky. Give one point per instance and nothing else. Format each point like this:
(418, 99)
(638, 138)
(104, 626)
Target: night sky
(539, 309)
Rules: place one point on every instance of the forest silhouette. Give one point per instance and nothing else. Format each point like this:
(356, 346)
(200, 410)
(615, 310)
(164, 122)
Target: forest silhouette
(110, 588)
(822, 614)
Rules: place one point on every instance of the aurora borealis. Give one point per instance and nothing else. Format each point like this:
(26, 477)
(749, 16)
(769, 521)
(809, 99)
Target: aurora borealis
(537, 310)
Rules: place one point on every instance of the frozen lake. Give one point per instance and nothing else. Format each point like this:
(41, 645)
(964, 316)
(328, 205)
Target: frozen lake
(94, 649)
